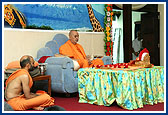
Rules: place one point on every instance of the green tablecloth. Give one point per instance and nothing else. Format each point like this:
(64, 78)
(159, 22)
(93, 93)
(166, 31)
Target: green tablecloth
(130, 88)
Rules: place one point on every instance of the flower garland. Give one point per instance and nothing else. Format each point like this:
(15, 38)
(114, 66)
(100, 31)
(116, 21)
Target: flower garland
(108, 47)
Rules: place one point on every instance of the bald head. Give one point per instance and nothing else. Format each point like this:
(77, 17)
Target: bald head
(26, 59)
(70, 33)
(73, 36)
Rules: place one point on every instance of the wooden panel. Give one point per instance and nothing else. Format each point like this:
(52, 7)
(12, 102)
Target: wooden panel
(150, 35)
(147, 8)
(127, 31)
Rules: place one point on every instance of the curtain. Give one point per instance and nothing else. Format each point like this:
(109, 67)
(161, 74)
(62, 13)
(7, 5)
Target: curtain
(117, 46)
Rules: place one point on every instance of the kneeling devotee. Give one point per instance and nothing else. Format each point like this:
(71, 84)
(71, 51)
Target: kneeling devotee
(75, 51)
(17, 91)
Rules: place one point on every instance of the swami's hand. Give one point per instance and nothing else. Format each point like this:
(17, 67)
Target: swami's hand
(88, 58)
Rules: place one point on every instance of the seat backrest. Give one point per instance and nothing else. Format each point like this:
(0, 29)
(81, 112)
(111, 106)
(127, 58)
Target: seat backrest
(53, 46)
(45, 51)
(60, 39)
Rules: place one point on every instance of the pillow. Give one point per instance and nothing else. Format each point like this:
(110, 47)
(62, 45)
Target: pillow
(13, 64)
(76, 65)
(43, 59)
(16, 64)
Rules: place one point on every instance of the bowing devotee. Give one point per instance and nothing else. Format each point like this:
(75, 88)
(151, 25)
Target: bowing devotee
(75, 51)
(136, 46)
(143, 61)
(144, 55)
(17, 91)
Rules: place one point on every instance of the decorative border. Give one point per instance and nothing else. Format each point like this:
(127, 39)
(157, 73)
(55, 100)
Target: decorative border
(108, 47)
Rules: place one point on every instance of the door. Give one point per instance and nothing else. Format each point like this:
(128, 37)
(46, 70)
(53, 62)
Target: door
(150, 34)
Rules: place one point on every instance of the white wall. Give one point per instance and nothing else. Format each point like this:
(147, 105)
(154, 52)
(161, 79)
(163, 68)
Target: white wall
(162, 37)
(19, 42)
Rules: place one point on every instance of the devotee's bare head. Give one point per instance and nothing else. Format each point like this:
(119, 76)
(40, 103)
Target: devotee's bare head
(26, 61)
(73, 36)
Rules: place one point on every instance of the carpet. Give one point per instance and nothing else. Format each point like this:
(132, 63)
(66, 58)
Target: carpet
(72, 104)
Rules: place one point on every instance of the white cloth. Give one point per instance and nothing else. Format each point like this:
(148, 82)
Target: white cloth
(143, 55)
(136, 45)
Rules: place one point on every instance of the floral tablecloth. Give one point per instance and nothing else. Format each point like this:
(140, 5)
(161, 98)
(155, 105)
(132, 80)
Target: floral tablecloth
(131, 89)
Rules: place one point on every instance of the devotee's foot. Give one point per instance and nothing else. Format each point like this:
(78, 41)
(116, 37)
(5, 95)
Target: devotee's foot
(38, 108)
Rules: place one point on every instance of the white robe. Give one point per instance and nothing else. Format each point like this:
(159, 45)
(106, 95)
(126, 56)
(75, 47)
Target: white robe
(136, 45)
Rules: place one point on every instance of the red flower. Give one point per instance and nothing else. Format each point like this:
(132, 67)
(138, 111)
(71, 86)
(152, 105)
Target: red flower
(98, 66)
(108, 48)
(108, 44)
(108, 8)
(107, 53)
(105, 65)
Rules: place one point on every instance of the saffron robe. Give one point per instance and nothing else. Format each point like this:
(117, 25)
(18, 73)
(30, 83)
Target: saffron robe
(20, 102)
(77, 52)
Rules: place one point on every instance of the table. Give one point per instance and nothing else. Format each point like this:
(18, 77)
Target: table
(131, 89)
(44, 77)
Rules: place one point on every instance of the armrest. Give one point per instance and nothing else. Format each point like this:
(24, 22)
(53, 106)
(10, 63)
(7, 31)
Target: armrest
(107, 60)
(63, 61)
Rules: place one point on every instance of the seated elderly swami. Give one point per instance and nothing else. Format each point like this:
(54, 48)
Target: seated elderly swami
(75, 51)
(17, 91)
